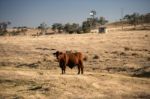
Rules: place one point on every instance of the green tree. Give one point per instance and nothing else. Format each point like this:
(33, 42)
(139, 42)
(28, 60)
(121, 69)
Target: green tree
(75, 27)
(86, 26)
(72, 28)
(132, 19)
(102, 21)
(67, 27)
(95, 22)
(57, 26)
(79, 30)
(146, 18)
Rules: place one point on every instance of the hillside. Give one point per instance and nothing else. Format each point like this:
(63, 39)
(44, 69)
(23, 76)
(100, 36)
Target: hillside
(117, 66)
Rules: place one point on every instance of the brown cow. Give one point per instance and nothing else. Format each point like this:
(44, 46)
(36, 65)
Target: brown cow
(70, 59)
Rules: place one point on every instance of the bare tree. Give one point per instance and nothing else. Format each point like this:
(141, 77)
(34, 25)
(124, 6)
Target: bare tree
(43, 27)
(3, 27)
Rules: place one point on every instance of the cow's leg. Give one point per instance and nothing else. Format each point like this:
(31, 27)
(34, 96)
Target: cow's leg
(78, 69)
(81, 67)
(64, 69)
(61, 66)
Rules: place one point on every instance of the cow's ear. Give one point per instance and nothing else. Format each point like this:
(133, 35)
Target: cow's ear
(56, 53)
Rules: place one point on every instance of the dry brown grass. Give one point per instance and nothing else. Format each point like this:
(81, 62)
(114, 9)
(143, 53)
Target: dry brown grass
(29, 70)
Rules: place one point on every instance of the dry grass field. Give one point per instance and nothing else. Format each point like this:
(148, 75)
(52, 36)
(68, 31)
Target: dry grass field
(117, 66)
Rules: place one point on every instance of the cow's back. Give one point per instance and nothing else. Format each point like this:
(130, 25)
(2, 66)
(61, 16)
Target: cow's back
(74, 59)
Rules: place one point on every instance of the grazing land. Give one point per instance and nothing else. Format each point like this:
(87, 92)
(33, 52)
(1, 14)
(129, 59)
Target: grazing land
(117, 66)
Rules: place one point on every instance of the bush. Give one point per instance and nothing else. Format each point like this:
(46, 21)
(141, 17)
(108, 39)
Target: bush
(3, 33)
(57, 26)
(79, 31)
(86, 27)
(15, 33)
(96, 57)
(126, 48)
(72, 28)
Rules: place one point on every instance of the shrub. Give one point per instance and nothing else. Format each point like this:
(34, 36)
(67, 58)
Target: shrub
(14, 33)
(86, 27)
(126, 48)
(96, 57)
(3, 33)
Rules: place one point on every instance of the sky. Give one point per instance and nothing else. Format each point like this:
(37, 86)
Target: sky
(33, 12)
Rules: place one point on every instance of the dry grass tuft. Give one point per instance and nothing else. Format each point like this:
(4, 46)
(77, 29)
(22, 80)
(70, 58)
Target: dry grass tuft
(95, 57)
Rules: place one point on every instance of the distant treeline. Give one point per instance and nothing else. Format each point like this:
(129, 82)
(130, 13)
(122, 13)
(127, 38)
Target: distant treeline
(91, 23)
(136, 19)
(86, 26)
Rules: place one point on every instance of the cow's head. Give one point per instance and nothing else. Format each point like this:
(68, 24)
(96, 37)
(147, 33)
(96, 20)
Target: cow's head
(58, 54)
